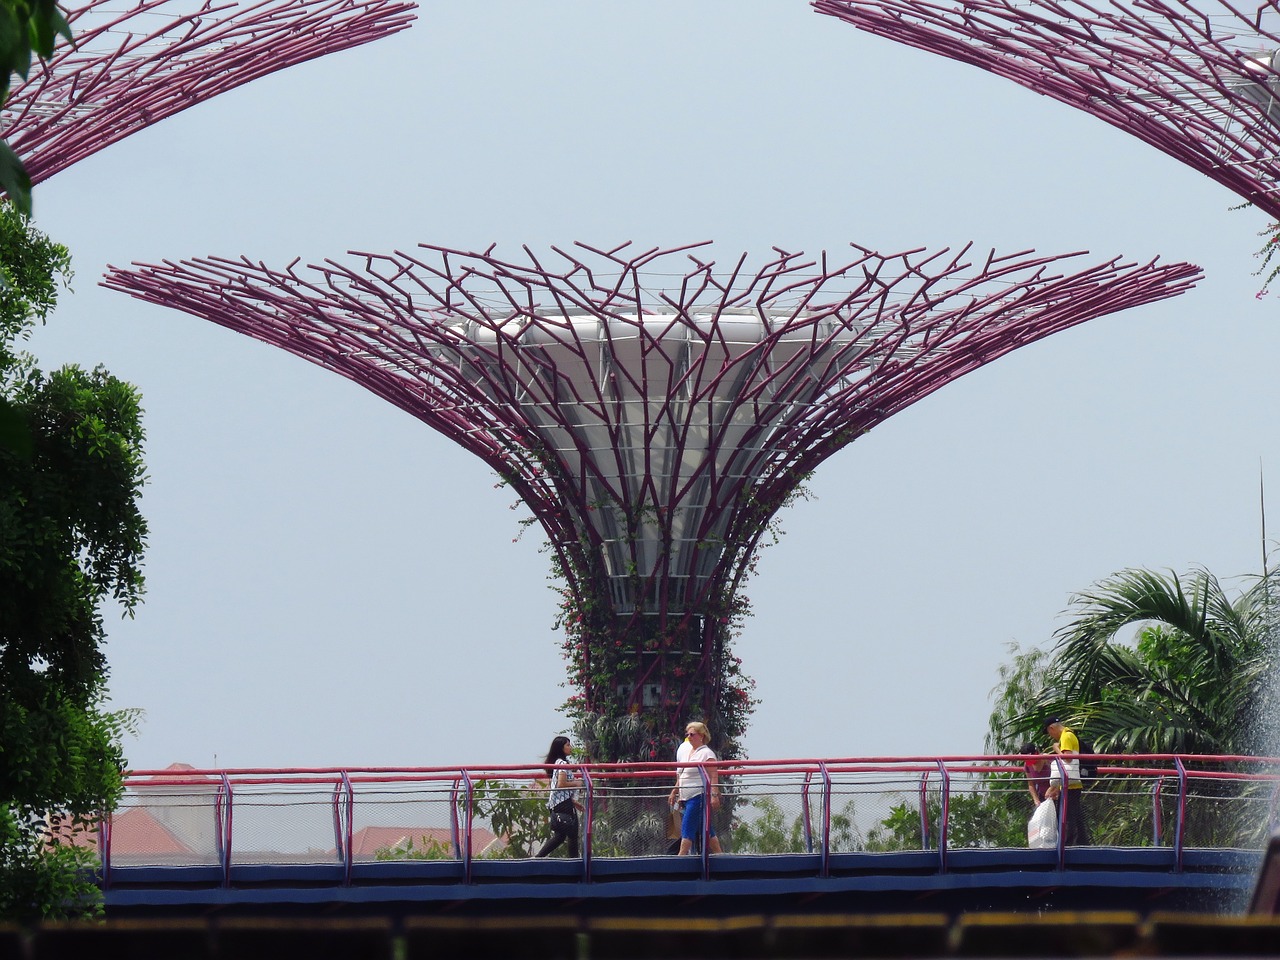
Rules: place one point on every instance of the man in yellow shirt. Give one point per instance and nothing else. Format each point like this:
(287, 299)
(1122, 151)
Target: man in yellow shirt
(1067, 745)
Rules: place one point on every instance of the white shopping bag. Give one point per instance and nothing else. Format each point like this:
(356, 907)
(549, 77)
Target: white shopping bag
(1042, 830)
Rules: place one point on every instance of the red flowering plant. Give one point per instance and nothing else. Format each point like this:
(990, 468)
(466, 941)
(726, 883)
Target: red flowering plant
(659, 672)
(641, 674)
(637, 681)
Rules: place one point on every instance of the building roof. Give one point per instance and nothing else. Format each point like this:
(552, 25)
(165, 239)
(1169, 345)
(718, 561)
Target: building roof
(367, 841)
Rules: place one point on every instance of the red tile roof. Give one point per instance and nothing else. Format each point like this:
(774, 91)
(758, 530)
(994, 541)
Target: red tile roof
(366, 842)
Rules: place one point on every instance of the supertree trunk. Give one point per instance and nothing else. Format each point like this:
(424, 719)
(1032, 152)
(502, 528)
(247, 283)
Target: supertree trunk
(653, 412)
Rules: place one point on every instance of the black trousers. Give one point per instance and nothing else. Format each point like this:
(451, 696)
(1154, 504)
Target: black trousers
(564, 827)
(1076, 834)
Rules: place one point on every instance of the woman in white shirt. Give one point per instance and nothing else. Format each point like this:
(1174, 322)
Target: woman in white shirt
(688, 789)
(564, 813)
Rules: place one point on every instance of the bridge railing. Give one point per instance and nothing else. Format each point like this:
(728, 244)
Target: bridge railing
(816, 808)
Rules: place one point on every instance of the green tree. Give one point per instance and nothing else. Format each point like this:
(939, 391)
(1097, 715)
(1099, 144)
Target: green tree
(424, 848)
(71, 540)
(975, 820)
(1195, 676)
(769, 831)
(1191, 681)
(26, 27)
(516, 812)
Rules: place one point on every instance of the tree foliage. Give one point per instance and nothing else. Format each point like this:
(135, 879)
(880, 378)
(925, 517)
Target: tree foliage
(1192, 681)
(71, 540)
(984, 819)
(515, 811)
(768, 830)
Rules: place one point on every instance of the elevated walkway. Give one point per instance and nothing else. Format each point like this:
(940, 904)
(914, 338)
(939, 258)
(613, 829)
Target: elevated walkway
(878, 835)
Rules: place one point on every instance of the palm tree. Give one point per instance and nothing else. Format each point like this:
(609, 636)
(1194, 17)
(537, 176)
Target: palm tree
(1193, 682)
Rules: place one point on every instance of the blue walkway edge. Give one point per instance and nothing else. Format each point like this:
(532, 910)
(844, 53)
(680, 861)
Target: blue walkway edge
(1141, 878)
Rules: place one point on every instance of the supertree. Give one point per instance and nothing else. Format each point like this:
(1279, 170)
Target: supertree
(1198, 82)
(131, 66)
(652, 411)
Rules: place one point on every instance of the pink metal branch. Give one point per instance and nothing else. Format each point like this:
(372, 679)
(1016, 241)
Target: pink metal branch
(653, 414)
(130, 67)
(1198, 82)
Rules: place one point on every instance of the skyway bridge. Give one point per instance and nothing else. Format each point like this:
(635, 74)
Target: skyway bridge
(943, 835)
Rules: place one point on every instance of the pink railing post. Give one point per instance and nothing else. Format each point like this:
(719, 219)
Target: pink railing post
(104, 847)
(706, 822)
(1157, 814)
(826, 819)
(589, 827)
(348, 821)
(455, 834)
(924, 811)
(944, 816)
(1179, 831)
(806, 813)
(469, 793)
(1064, 785)
(224, 824)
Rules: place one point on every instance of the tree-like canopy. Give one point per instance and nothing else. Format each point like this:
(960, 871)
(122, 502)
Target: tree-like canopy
(1198, 81)
(137, 62)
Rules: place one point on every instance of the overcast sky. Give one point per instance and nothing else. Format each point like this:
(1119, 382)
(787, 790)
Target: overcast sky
(331, 583)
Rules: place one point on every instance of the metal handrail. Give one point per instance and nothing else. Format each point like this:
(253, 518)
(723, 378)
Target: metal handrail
(460, 783)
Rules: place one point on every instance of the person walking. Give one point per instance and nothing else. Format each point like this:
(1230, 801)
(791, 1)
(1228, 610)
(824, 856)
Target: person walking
(1067, 746)
(676, 818)
(689, 789)
(561, 801)
(1037, 771)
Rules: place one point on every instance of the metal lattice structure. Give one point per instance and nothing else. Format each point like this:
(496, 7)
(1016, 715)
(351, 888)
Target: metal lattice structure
(654, 412)
(1199, 82)
(131, 66)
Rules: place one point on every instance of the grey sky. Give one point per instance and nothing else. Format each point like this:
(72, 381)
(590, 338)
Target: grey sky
(331, 583)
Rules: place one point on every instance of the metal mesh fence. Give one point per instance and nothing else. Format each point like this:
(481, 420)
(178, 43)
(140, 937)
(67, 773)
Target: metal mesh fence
(178, 825)
(413, 820)
(286, 823)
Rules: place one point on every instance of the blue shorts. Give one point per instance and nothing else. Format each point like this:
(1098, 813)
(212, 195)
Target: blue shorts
(691, 825)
